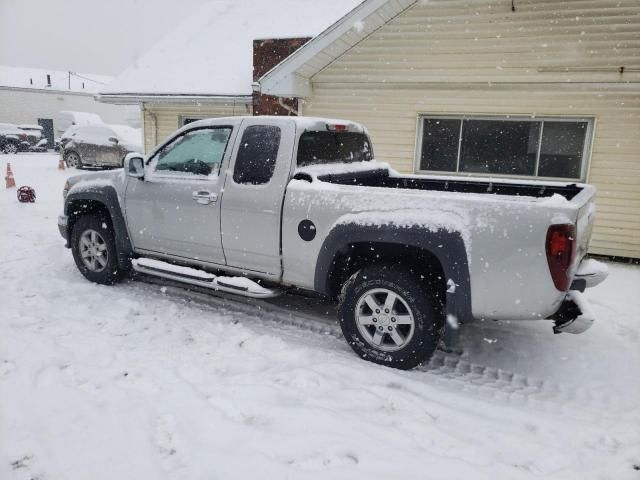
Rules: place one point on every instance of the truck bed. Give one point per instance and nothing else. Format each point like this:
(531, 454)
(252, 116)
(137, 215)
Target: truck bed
(382, 178)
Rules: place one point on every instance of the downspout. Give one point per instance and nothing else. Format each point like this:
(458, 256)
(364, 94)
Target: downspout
(289, 109)
(154, 129)
(257, 88)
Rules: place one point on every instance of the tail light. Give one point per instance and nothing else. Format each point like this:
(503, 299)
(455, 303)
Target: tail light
(22, 136)
(561, 252)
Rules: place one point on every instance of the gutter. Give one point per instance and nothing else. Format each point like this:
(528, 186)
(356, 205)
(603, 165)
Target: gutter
(47, 90)
(138, 98)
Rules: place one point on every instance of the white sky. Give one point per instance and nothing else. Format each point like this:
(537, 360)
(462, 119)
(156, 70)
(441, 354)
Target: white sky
(90, 36)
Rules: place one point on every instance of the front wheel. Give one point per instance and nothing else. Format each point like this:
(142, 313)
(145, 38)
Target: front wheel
(72, 159)
(388, 317)
(94, 249)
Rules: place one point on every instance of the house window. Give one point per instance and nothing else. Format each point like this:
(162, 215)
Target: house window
(551, 148)
(187, 120)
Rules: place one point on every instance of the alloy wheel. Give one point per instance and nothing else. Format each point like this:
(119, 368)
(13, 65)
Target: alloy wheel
(10, 148)
(384, 320)
(73, 160)
(93, 251)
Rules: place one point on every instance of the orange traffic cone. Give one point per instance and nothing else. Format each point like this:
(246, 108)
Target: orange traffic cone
(11, 182)
(61, 164)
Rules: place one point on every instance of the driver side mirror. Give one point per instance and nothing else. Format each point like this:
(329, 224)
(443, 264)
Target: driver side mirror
(134, 165)
(113, 140)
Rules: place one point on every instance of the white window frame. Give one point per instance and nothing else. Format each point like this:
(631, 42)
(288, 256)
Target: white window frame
(586, 154)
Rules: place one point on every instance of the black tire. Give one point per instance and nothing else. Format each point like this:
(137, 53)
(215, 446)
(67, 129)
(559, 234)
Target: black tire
(108, 274)
(10, 147)
(76, 163)
(428, 321)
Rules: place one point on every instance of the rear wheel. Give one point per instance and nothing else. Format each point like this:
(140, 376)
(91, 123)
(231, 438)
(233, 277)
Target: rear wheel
(389, 318)
(94, 249)
(72, 159)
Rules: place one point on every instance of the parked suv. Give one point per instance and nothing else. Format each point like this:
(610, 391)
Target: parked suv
(256, 205)
(99, 145)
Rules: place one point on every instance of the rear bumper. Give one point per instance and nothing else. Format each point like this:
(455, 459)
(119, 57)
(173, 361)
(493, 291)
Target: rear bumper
(575, 315)
(589, 274)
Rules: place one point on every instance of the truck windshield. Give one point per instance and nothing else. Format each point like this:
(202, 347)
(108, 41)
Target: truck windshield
(333, 147)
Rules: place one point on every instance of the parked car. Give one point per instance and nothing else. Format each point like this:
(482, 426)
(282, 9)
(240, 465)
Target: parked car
(256, 204)
(65, 137)
(99, 145)
(12, 139)
(36, 139)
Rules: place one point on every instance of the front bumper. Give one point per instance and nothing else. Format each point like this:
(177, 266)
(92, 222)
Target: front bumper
(63, 222)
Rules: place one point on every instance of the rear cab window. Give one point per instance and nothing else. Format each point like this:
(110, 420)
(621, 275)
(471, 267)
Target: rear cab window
(317, 148)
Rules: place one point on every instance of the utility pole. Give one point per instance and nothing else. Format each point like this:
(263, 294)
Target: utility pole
(69, 80)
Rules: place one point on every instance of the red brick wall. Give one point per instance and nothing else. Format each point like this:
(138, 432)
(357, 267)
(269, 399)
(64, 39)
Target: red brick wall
(266, 55)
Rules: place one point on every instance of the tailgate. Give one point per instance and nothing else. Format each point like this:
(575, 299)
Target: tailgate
(584, 223)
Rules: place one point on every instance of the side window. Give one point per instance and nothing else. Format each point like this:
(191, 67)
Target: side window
(199, 152)
(257, 155)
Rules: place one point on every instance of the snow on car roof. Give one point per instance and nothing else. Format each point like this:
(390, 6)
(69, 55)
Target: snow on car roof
(211, 53)
(36, 78)
(129, 135)
(82, 118)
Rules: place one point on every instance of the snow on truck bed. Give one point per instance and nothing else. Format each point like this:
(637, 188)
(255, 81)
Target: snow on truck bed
(144, 381)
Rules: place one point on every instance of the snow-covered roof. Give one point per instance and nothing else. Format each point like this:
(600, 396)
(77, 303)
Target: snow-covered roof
(36, 78)
(211, 53)
(291, 78)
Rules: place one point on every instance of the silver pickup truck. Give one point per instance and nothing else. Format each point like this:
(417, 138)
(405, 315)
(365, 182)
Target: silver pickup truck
(257, 205)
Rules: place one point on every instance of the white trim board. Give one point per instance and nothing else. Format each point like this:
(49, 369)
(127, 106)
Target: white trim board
(291, 77)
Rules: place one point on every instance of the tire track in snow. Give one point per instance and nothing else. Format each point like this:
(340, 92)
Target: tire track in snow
(448, 370)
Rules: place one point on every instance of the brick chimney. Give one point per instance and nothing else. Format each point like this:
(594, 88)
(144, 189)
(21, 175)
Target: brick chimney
(268, 53)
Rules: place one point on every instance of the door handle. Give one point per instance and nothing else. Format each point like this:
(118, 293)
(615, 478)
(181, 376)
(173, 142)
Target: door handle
(204, 197)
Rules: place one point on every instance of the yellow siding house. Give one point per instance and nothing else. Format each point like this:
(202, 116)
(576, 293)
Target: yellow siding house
(542, 89)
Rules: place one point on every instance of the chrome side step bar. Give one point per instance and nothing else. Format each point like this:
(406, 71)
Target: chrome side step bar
(192, 276)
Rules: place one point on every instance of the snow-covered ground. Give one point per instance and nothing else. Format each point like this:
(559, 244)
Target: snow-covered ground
(141, 381)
